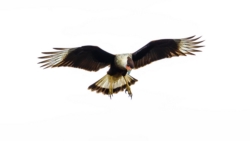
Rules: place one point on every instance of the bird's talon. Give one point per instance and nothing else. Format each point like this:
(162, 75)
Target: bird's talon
(110, 96)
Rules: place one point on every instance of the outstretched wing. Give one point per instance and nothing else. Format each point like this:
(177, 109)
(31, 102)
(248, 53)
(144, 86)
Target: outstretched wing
(91, 58)
(165, 48)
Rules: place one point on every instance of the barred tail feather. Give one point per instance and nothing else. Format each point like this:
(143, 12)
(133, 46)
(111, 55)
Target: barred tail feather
(116, 82)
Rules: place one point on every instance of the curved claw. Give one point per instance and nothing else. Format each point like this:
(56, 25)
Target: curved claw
(129, 93)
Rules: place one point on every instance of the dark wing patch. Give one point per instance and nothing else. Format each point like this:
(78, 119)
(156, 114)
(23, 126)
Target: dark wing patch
(91, 58)
(130, 62)
(165, 48)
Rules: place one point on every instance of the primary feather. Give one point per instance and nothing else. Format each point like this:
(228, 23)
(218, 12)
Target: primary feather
(164, 48)
(91, 58)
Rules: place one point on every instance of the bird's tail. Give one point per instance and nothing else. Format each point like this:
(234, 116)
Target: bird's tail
(114, 83)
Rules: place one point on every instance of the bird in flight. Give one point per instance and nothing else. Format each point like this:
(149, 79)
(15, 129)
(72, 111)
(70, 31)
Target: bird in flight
(118, 78)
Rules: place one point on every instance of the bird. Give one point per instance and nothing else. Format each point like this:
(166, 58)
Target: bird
(118, 78)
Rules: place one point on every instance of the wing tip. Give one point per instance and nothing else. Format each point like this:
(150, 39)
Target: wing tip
(190, 45)
(190, 37)
(59, 48)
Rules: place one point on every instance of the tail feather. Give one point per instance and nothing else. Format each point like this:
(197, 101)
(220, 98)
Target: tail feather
(117, 82)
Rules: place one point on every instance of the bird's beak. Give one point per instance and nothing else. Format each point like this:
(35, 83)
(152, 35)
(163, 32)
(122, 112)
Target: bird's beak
(128, 69)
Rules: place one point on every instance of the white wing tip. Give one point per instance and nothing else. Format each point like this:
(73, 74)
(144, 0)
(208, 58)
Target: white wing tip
(190, 44)
(53, 58)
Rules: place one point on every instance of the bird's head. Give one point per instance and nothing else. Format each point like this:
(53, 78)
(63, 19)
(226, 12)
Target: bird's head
(130, 64)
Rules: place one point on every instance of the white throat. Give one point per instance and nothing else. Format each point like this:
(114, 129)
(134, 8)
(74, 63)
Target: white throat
(121, 60)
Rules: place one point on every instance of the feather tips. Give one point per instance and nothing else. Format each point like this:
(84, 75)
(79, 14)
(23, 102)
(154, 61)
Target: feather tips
(165, 48)
(91, 58)
(53, 60)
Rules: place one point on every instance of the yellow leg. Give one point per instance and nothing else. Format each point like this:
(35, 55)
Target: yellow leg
(111, 86)
(128, 88)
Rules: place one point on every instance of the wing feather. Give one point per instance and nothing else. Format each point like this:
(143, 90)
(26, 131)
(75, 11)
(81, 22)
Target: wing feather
(165, 48)
(91, 58)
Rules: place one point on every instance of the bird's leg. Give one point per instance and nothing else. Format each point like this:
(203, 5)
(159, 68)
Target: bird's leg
(110, 87)
(128, 88)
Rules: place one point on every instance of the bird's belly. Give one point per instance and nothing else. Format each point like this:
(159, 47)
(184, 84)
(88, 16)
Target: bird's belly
(114, 70)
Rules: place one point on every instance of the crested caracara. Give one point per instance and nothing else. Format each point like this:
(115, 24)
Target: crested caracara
(118, 78)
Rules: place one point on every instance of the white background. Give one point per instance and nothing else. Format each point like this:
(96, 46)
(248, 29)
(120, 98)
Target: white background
(199, 98)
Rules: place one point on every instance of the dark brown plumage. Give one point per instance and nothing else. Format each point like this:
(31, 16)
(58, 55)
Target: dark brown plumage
(93, 58)
(164, 48)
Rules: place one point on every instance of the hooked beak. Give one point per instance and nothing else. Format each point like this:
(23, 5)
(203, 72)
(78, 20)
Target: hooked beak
(128, 69)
